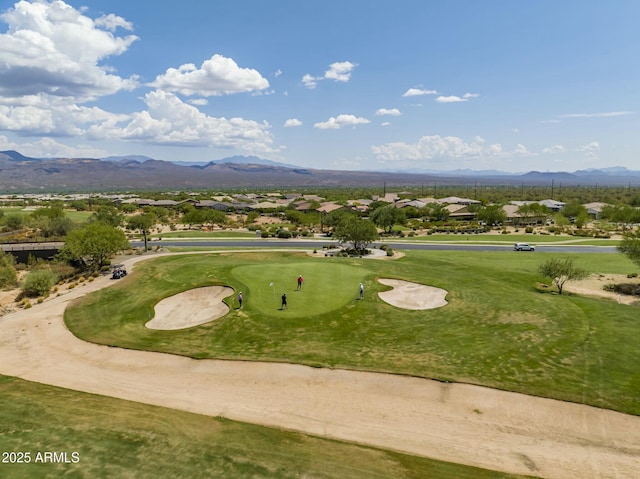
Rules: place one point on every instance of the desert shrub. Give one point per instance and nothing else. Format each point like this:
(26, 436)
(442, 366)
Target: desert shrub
(7, 270)
(632, 275)
(389, 252)
(629, 289)
(62, 270)
(7, 276)
(528, 229)
(284, 234)
(38, 282)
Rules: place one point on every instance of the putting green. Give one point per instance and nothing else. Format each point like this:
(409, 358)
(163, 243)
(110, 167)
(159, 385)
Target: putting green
(327, 286)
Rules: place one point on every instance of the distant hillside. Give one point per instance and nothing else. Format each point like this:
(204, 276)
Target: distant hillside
(19, 173)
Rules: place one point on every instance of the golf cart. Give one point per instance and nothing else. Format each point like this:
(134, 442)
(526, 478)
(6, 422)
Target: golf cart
(119, 271)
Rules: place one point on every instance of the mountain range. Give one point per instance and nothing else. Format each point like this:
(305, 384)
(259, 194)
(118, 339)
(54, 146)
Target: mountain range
(22, 174)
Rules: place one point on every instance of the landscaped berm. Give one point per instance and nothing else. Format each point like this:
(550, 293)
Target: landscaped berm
(452, 356)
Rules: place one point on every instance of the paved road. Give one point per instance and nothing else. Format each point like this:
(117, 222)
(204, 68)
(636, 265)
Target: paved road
(311, 244)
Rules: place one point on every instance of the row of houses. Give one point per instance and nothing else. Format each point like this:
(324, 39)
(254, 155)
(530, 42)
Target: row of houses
(458, 208)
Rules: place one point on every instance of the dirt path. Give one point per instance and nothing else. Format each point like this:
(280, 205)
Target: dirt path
(453, 422)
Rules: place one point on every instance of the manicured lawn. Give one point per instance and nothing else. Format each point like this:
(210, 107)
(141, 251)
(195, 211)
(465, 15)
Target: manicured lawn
(116, 438)
(508, 239)
(498, 329)
(78, 216)
(204, 234)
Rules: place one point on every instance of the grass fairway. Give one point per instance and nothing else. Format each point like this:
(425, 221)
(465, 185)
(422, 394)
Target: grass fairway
(498, 330)
(115, 438)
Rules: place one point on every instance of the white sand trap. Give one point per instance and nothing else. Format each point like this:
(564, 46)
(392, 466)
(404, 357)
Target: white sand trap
(190, 308)
(409, 295)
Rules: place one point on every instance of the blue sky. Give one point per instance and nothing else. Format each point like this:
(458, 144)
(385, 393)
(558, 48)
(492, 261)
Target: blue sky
(333, 84)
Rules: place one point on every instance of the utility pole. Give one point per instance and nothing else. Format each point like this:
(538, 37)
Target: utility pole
(551, 189)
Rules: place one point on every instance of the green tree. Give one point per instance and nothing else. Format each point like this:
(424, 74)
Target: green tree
(192, 216)
(561, 270)
(492, 214)
(436, 212)
(143, 223)
(359, 232)
(573, 210)
(252, 216)
(337, 217)
(388, 216)
(14, 221)
(93, 243)
(109, 215)
(630, 246)
(54, 211)
(214, 217)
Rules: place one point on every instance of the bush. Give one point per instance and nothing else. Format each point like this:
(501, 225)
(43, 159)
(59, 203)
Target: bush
(528, 229)
(629, 289)
(62, 270)
(7, 276)
(38, 282)
(284, 234)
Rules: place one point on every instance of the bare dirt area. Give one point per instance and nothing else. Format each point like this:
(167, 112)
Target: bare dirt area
(460, 423)
(595, 283)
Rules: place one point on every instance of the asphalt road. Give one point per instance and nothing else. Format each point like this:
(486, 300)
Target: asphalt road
(317, 244)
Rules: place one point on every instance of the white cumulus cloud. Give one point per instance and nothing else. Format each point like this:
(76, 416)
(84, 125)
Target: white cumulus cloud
(390, 112)
(554, 149)
(112, 22)
(291, 122)
(444, 149)
(169, 121)
(338, 71)
(216, 76)
(594, 146)
(419, 92)
(310, 81)
(50, 148)
(450, 99)
(335, 123)
(74, 46)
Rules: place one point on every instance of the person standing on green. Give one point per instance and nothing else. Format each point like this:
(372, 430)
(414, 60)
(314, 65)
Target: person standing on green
(284, 301)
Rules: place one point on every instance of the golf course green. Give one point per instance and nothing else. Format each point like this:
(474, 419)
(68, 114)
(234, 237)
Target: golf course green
(326, 286)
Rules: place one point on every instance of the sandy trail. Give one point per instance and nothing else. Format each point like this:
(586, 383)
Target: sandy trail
(454, 422)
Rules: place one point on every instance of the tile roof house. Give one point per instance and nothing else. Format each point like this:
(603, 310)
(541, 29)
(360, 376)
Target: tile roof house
(595, 209)
(516, 219)
(329, 207)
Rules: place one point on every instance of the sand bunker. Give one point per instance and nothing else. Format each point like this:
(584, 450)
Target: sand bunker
(408, 295)
(191, 308)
